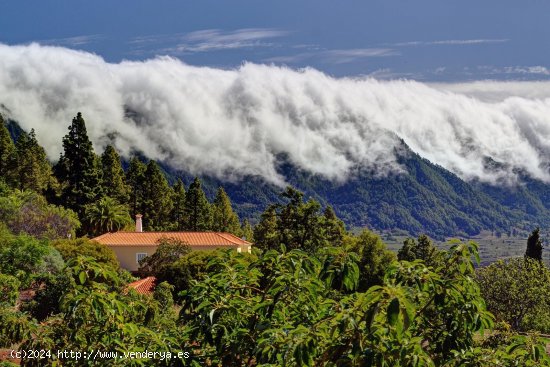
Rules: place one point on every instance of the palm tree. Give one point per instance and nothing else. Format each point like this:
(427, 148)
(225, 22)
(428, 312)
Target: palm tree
(106, 215)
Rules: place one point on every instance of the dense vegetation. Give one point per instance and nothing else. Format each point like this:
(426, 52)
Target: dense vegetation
(310, 294)
(423, 198)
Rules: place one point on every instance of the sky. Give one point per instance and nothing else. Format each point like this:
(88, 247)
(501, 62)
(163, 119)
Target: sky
(424, 40)
(226, 88)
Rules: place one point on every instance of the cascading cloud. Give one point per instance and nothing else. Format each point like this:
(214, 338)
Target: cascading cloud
(233, 123)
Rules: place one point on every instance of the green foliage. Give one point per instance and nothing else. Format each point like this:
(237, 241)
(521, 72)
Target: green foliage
(114, 184)
(422, 250)
(21, 256)
(34, 169)
(156, 205)
(197, 209)
(28, 212)
(224, 218)
(296, 225)
(194, 266)
(283, 309)
(534, 245)
(9, 290)
(45, 302)
(335, 229)
(169, 250)
(374, 258)
(95, 316)
(247, 231)
(71, 249)
(516, 292)
(179, 218)
(8, 156)
(135, 177)
(163, 295)
(106, 215)
(78, 169)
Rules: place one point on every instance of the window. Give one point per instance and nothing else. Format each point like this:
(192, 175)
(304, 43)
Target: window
(140, 256)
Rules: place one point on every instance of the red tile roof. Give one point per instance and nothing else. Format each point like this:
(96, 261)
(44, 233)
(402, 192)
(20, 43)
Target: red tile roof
(144, 286)
(217, 239)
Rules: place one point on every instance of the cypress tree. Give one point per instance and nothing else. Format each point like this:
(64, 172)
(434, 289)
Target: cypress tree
(135, 177)
(34, 169)
(224, 219)
(8, 156)
(156, 206)
(78, 169)
(534, 246)
(178, 212)
(197, 208)
(114, 183)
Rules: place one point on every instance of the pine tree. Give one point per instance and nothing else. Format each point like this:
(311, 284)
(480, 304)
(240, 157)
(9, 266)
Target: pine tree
(247, 231)
(135, 177)
(8, 156)
(34, 169)
(179, 219)
(335, 229)
(78, 169)
(266, 233)
(534, 245)
(114, 183)
(224, 219)
(157, 205)
(197, 208)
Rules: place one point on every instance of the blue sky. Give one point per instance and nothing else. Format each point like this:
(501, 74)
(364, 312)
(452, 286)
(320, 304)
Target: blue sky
(428, 40)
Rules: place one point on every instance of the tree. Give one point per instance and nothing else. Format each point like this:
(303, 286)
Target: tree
(78, 168)
(516, 292)
(28, 212)
(157, 205)
(197, 208)
(179, 219)
(21, 256)
(374, 258)
(114, 184)
(423, 250)
(34, 169)
(71, 249)
(8, 156)
(335, 229)
(534, 246)
(9, 290)
(247, 231)
(296, 225)
(224, 219)
(169, 250)
(417, 316)
(135, 177)
(106, 215)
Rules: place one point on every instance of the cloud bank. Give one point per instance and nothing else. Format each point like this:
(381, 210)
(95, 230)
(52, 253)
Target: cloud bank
(232, 123)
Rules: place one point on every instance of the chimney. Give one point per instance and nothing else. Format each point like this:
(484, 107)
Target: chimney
(139, 226)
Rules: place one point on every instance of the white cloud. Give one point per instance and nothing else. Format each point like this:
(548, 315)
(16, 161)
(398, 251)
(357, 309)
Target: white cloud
(334, 56)
(211, 40)
(455, 42)
(73, 41)
(231, 123)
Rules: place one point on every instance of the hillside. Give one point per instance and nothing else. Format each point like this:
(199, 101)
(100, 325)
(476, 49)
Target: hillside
(423, 198)
(426, 198)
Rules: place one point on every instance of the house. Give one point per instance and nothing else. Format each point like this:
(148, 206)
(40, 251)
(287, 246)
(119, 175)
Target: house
(131, 247)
